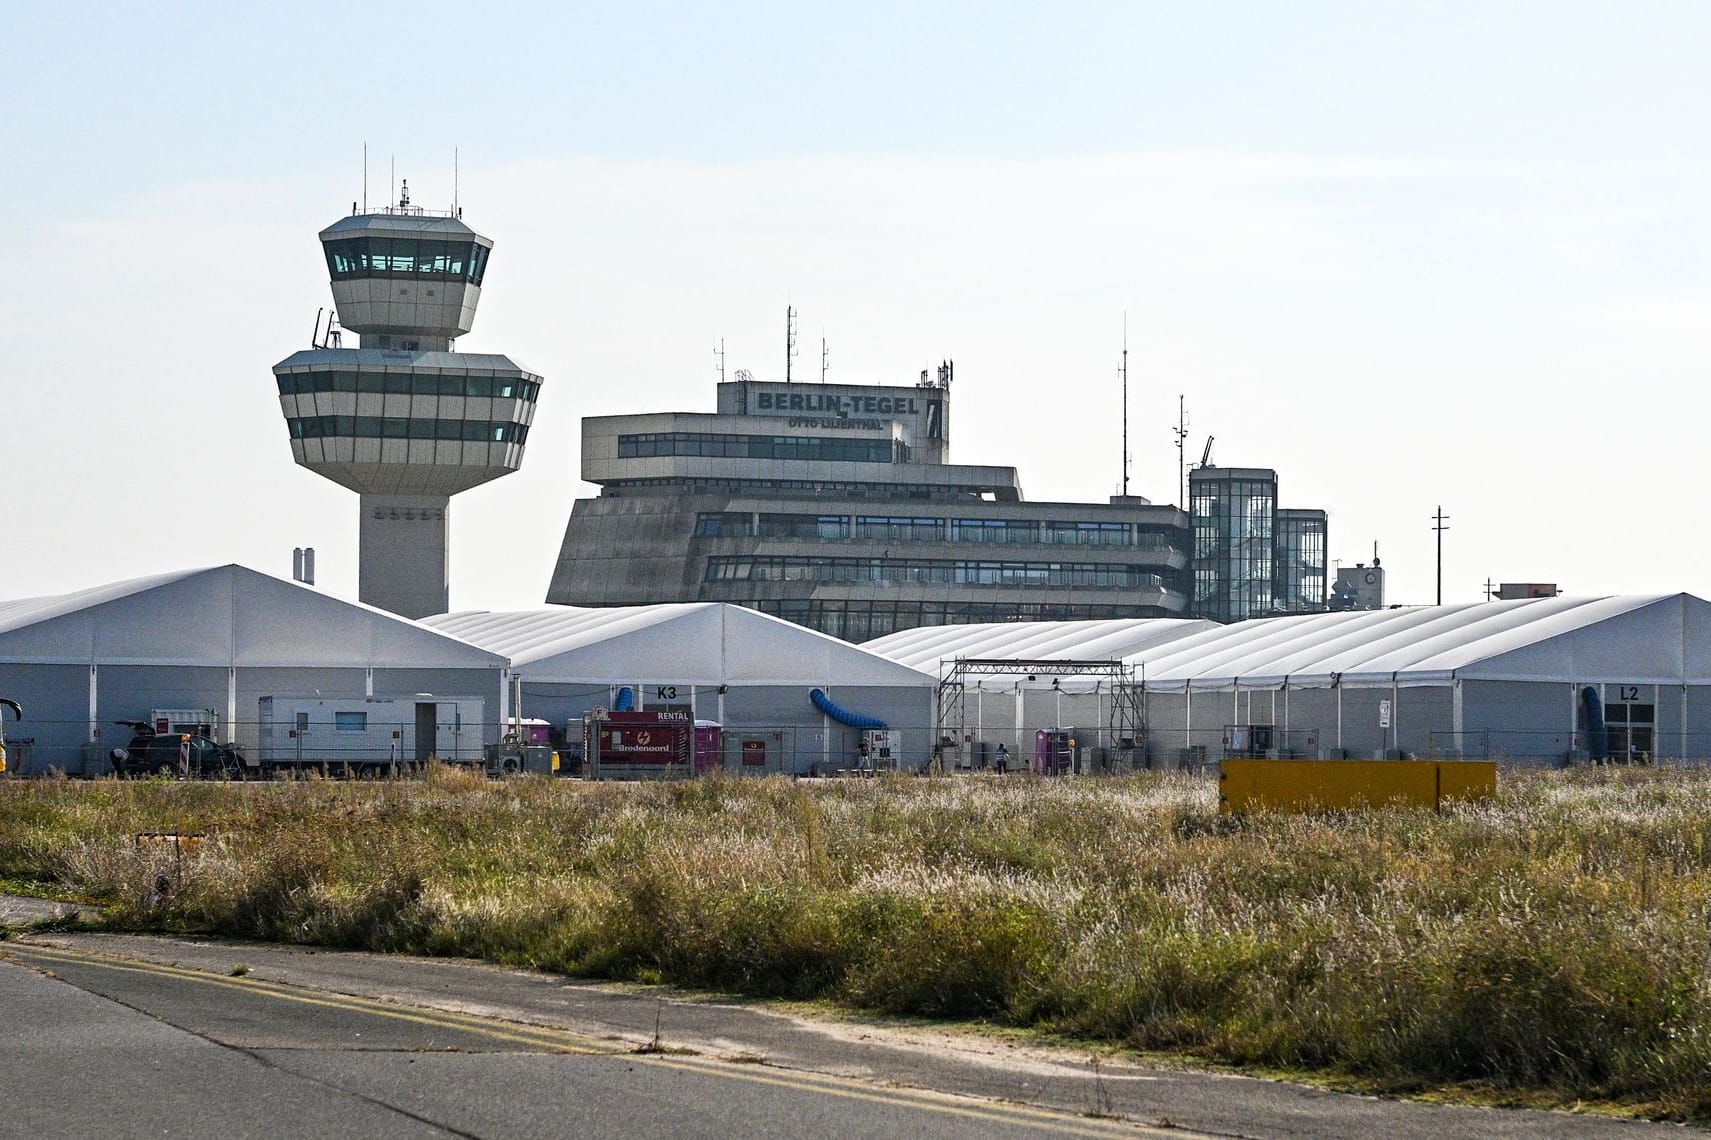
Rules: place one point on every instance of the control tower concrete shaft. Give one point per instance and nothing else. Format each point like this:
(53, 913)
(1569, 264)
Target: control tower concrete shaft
(402, 419)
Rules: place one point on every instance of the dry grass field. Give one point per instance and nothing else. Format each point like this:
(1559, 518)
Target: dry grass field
(1554, 946)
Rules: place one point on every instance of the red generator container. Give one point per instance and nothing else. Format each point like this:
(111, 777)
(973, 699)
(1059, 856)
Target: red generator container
(649, 745)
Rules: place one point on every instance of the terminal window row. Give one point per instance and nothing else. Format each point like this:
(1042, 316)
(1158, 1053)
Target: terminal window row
(860, 619)
(804, 488)
(398, 427)
(349, 258)
(762, 447)
(1299, 562)
(787, 568)
(907, 528)
(407, 384)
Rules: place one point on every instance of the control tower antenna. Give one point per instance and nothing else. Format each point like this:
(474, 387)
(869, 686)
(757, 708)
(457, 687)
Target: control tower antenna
(789, 340)
(365, 176)
(457, 211)
(1125, 371)
(1181, 460)
(719, 351)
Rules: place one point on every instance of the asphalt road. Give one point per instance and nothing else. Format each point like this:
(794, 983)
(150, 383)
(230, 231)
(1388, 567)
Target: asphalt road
(130, 1036)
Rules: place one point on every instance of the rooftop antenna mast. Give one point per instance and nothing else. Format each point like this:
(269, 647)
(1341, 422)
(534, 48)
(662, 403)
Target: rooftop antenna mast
(719, 352)
(825, 357)
(457, 211)
(1125, 371)
(1181, 458)
(789, 340)
(365, 176)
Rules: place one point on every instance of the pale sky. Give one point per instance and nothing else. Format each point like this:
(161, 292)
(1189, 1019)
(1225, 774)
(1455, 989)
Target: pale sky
(1406, 254)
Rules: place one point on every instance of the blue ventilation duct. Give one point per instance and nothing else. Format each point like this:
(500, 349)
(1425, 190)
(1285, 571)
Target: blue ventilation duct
(1597, 736)
(842, 716)
(625, 701)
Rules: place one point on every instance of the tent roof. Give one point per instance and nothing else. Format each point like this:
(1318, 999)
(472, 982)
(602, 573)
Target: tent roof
(933, 648)
(689, 643)
(223, 616)
(1640, 638)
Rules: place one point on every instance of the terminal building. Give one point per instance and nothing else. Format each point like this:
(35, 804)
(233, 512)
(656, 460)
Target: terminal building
(1252, 558)
(403, 419)
(837, 506)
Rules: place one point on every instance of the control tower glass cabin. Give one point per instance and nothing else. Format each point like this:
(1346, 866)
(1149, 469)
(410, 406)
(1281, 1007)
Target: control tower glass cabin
(402, 419)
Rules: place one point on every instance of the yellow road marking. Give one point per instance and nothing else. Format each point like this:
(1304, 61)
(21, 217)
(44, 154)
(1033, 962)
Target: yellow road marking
(825, 1084)
(834, 1080)
(439, 1019)
(1059, 1122)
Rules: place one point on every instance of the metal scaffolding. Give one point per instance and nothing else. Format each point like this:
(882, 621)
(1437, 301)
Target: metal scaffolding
(1125, 722)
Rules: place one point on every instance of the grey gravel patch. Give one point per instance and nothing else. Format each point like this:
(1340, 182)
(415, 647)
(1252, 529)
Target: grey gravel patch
(16, 909)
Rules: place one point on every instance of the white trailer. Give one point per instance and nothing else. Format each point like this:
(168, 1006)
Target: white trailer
(367, 735)
(196, 722)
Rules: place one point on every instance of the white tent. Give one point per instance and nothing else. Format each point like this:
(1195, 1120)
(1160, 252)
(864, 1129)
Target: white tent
(745, 670)
(1507, 678)
(227, 616)
(215, 638)
(701, 643)
(1072, 679)
(1495, 678)
(1644, 638)
(936, 648)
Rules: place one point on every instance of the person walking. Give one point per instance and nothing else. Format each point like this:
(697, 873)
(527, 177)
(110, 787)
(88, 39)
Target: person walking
(1002, 759)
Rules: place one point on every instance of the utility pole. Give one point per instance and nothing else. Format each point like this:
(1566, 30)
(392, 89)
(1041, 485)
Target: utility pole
(1439, 519)
(1488, 585)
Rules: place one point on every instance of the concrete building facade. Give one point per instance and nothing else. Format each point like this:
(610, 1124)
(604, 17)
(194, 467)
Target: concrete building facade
(836, 506)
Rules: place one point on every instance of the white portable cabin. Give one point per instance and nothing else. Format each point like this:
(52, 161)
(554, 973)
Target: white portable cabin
(316, 730)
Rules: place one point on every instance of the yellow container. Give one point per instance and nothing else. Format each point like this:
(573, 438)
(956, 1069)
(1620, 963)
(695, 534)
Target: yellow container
(1335, 785)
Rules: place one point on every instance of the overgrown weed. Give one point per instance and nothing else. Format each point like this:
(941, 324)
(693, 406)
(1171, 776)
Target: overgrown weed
(1550, 944)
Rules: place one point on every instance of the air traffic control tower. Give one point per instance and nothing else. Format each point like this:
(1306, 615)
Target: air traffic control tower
(402, 419)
